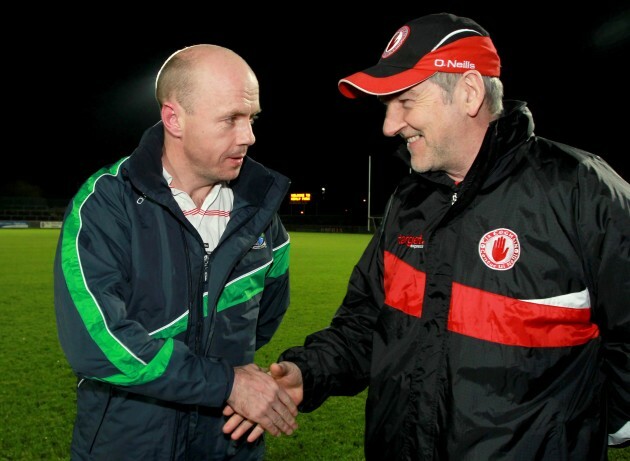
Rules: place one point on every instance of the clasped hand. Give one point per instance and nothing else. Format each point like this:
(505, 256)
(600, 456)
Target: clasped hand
(263, 400)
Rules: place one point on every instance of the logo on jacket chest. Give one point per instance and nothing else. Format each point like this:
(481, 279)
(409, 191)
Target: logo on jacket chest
(260, 243)
(411, 241)
(499, 249)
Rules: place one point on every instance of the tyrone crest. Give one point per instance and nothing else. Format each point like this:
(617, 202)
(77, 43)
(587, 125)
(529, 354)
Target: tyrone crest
(396, 41)
(499, 249)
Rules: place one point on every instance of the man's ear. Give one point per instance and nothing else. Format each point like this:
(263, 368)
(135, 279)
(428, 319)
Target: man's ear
(170, 114)
(474, 91)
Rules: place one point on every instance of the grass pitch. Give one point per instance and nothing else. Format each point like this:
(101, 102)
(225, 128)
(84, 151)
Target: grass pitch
(37, 399)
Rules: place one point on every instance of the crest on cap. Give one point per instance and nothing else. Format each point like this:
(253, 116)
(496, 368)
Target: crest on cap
(396, 41)
(434, 43)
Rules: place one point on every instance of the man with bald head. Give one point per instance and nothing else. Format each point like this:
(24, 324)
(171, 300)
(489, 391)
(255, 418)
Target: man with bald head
(171, 271)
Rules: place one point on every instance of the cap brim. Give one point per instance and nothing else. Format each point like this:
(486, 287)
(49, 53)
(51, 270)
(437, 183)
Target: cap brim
(363, 83)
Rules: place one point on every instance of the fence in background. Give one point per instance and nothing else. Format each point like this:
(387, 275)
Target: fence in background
(35, 212)
(31, 209)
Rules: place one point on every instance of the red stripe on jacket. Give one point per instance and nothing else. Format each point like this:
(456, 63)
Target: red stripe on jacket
(488, 316)
(404, 285)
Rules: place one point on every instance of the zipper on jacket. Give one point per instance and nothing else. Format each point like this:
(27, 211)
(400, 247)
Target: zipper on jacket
(189, 301)
(203, 288)
(206, 259)
(454, 198)
(209, 258)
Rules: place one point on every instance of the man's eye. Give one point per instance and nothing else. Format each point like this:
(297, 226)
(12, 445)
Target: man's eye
(253, 119)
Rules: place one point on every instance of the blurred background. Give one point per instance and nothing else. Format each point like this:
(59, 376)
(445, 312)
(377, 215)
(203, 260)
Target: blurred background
(80, 88)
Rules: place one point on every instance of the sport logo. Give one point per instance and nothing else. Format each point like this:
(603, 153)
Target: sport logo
(396, 42)
(411, 241)
(260, 243)
(454, 63)
(499, 249)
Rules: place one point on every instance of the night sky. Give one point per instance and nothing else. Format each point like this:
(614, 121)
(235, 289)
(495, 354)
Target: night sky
(84, 93)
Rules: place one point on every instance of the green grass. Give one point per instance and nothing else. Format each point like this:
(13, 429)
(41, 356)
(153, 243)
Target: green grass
(320, 267)
(36, 385)
(37, 399)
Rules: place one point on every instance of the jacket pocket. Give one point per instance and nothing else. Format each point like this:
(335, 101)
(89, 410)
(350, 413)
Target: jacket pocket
(93, 398)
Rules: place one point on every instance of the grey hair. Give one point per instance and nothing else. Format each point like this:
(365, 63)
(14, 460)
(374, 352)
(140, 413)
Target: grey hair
(493, 86)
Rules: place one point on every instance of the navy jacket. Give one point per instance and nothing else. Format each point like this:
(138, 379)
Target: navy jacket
(490, 319)
(151, 324)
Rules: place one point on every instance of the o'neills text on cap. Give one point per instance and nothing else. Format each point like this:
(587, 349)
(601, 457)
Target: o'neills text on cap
(435, 43)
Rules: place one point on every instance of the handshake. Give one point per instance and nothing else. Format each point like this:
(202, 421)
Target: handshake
(263, 400)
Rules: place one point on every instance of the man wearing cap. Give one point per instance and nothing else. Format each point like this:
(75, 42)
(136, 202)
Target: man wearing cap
(490, 314)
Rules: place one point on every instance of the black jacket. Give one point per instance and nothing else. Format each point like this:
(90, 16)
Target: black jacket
(490, 320)
(151, 325)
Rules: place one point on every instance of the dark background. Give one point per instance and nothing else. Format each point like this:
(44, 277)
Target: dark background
(82, 86)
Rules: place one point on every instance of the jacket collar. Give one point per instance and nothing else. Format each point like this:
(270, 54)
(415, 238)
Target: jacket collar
(496, 154)
(144, 170)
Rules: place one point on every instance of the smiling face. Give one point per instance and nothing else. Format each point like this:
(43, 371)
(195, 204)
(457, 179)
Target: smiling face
(440, 132)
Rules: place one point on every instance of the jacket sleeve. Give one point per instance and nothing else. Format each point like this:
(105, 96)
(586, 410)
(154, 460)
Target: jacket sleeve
(604, 224)
(336, 360)
(275, 299)
(92, 290)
